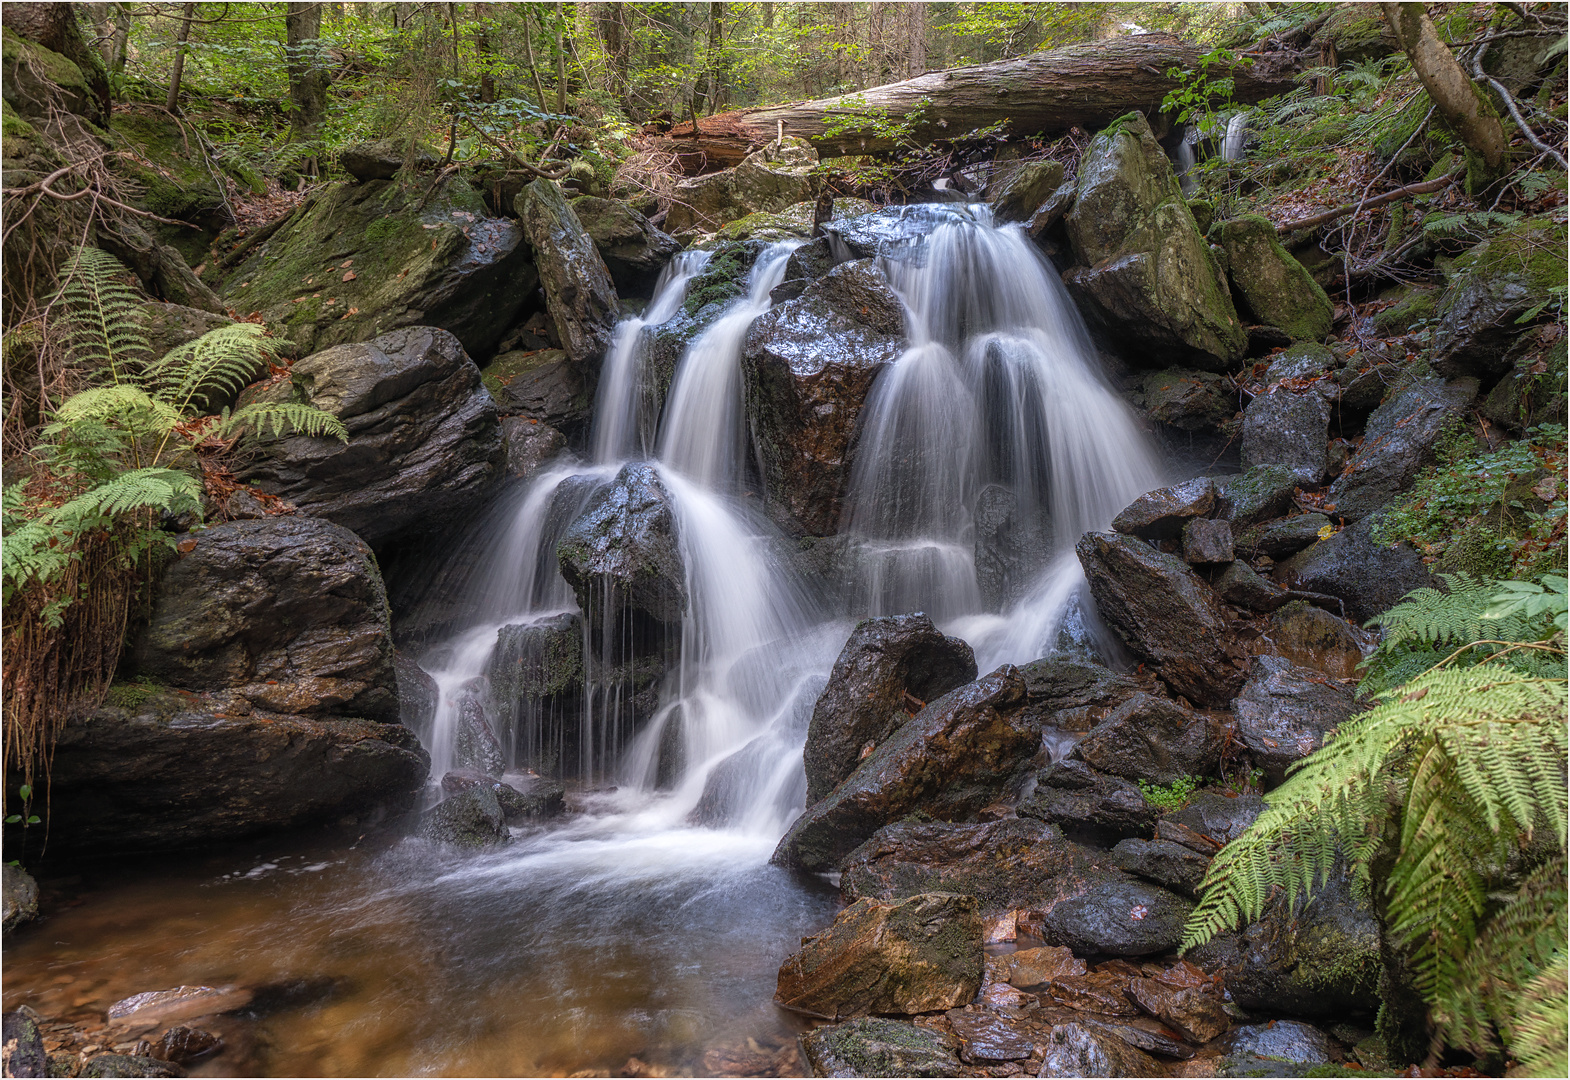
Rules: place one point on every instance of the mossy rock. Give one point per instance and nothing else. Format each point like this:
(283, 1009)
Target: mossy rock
(1278, 290)
(1407, 314)
(874, 1046)
(26, 71)
(724, 278)
(1491, 289)
(1357, 32)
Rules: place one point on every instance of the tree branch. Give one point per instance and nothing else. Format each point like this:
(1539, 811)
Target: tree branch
(1379, 200)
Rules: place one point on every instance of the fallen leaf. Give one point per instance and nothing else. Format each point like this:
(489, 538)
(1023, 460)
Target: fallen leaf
(349, 275)
(346, 264)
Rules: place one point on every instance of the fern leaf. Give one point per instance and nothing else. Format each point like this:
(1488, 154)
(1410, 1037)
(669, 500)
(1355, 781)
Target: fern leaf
(102, 315)
(124, 405)
(222, 360)
(277, 416)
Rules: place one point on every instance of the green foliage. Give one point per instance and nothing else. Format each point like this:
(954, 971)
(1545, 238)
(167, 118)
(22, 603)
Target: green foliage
(102, 314)
(1168, 797)
(1199, 98)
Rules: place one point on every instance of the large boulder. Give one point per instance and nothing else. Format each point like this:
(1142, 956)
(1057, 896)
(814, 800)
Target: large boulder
(767, 180)
(472, 819)
(878, 1046)
(1163, 513)
(424, 440)
(915, 955)
(1089, 805)
(1023, 189)
(1081, 1050)
(358, 260)
(1490, 290)
(540, 385)
(380, 159)
(950, 760)
(1284, 712)
(809, 365)
(1289, 428)
(1153, 738)
(530, 445)
(1164, 613)
(19, 895)
(172, 180)
(1112, 913)
(622, 553)
(634, 251)
(1260, 493)
(1277, 289)
(1189, 400)
(1147, 275)
(888, 670)
(1368, 575)
(579, 292)
(288, 612)
(1076, 694)
(1398, 441)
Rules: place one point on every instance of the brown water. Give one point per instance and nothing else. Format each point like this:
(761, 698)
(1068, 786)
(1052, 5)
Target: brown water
(572, 950)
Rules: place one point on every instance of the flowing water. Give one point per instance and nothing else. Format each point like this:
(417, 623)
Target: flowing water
(649, 922)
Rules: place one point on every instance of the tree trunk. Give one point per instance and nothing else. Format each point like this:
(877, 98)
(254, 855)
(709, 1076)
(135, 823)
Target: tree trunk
(716, 83)
(120, 43)
(482, 45)
(1083, 86)
(561, 60)
(307, 77)
(172, 103)
(916, 51)
(534, 69)
(1458, 99)
(610, 19)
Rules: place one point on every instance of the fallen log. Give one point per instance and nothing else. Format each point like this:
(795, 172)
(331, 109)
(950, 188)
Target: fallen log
(1047, 93)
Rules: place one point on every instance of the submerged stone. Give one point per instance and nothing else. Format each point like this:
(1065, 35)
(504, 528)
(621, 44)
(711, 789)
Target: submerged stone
(875, 1046)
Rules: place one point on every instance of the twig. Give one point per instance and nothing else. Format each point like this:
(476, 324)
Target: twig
(1380, 200)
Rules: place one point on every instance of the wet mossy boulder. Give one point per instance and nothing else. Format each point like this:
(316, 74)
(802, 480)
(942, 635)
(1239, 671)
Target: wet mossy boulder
(381, 159)
(543, 385)
(1289, 428)
(1490, 289)
(1255, 495)
(770, 179)
(1189, 400)
(1153, 738)
(1148, 277)
(1275, 286)
(361, 259)
(1023, 189)
(579, 292)
(878, 1046)
(1284, 712)
(634, 251)
(621, 555)
(1400, 439)
(471, 819)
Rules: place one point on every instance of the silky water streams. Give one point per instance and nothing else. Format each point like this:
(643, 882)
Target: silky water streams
(648, 923)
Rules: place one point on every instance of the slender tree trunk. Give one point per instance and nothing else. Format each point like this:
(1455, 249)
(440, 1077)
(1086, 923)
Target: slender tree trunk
(534, 68)
(915, 40)
(768, 15)
(482, 45)
(1464, 107)
(172, 103)
(715, 58)
(610, 20)
(302, 61)
(561, 59)
(120, 43)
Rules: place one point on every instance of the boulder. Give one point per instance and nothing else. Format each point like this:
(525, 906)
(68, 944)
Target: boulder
(767, 180)
(916, 955)
(876, 1046)
(1303, 363)
(22, 1052)
(1285, 710)
(806, 264)
(1189, 400)
(470, 819)
(1291, 429)
(530, 445)
(164, 770)
(1216, 818)
(1281, 1040)
(1164, 613)
(1161, 514)
(1011, 545)
(1490, 289)
(1240, 586)
(1118, 915)
(888, 670)
(622, 553)
(1370, 577)
(541, 385)
(951, 759)
(182, 1045)
(288, 612)
(1313, 638)
(1398, 441)
(1147, 275)
(1258, 494)
(1080, 1050)
(1007, 865)
(1024, 189)
(19, 893)
(634, 251)
(380, 159)
(1207, 542)
(1075, 694)
(358, 260)
(1152, 738)
(475, 746)
(172, 176)
(1276, 288)
(424, 440)
(1164, 862)
(418, 694)
(809, 365)
(986, 1038)
(578, 289)
(1088, 805)
(1282, 537)
(1197, 1016)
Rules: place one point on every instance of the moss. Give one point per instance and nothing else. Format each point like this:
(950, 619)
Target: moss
(1405, 316)
(724, 278)
(45, 63)
(14, 127)
(1532, 252)
(1278, 289)
(508, 366)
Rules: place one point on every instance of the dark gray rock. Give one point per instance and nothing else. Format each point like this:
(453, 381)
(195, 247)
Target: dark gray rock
(543, 386)
(1221, 818)
(1075, 694)
(1286, 1040)
(634, 251)
(1024, 188)
(1189, 400)
(1258, 494)
(475, 745)
(20, 896)
(1011, 545)
(1282, 537)
(809, 365)
(1490, 289)
(23, 1053)
(1301, 361)
(1164, 613)
(1161, 514)
(1087, 1050)
(530, 444)
(1152, 738)
(289, 612)
(424, 441)
(1207, 541)
(624, 546)
(538, 797)
(418, 694)
(887, 672)
(806, 264)
(1166, 863)
(1241, 586)
(470, 819)
(873, 1046)
(1088, 805)
(578, 289)
(1369, 576)
(1287, 428)
(1398, 441)
(380, 159)
(1285, 710)
(1117, 915)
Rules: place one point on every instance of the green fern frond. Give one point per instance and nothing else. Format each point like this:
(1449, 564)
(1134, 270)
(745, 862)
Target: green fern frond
(1541, 1034)
(225, 360)
(261, 417)
(124, 405)
(102, 315)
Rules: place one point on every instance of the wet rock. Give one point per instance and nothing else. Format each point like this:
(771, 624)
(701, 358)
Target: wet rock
(418, 694)
(1533, 390)
(1147, 275)
(1099, 992)
(766, 181)
(1241, 586)
(1275, 286)
(1076, 694)
(1006, 865)
(1026, 187)
(987, 1038)
(472, 818)
(1049, 213)
(1152, 738)
(1189, 400)
(540, 797)
(1192, 1013)
(806, 264)
(873, 1046)
(916, 955)
(1161, 514)
(1207, 542)
(1490, 289)
(1087, 804)
(424, 441)
(1117, 915)
(23, 1051)
(1078, 1050)
(359, 260)
(1285, 1040)
(1398, 441)
(809, 365)
(950, 760)
(888, 670)
(144, 1012)
(1218, 818)
(181, 1045)
(1285, 710)
(1166, 863)
(1145, 596)
(622, 553)
(579, 292)
(1368, 576)
(540, 664)
(1313, 638)
(543, 386)
(475, 745)
(1258, 494)
(1290, 429)
(634, 251)
(20, 897)
(1010, 546)
(290, 612)
(127, 1065)
(380, 159)
(530, 444)
(1032, 969)
(1282, 537)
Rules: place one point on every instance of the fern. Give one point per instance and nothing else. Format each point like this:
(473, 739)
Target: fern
(279, 416)
(222, 360)
(102, 315)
